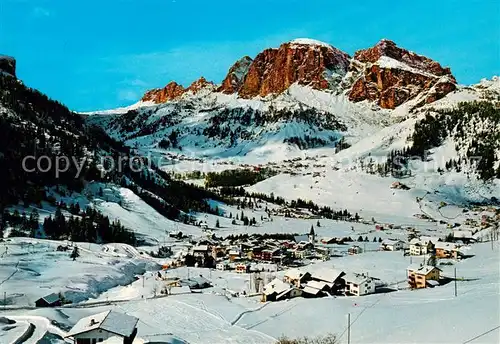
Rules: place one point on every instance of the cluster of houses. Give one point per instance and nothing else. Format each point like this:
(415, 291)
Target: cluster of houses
(435, 246)
(296, 213)
(241, 254)
(325, 282)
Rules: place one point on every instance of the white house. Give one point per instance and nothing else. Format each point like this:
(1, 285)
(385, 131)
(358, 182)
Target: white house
(392, 245)
(100, 327)
(359, 284)
(418, 247)
(200, 250)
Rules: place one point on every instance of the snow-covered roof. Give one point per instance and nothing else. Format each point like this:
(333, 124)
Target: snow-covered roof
(201, 280)
(180, 290)
(51, 298)
(300, 238)
(422, 269)
(427, 239)
(356, 278)
(445, 245)
(276, 286)
(195, 282)
(310, 290)
(309, 41)
(432, 282)
(463, 234)
(200, 248)
(318, 284)
(294, 274)
(391, 242)
(327, 275)
(114, 322)
(283, 293)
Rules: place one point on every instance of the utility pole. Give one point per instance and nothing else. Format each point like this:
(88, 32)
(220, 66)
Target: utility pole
(455, 282)
(348, 328)
(4, 301)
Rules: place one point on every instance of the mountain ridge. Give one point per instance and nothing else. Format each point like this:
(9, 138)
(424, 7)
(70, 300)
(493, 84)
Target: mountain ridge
(384, 74)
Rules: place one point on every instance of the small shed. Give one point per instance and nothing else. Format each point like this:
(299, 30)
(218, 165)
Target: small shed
(51, 300)
(355, 250)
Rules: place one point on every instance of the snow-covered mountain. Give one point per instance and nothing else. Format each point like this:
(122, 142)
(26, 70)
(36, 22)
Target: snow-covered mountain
(303, 95)
(386, 112)
(303, 100)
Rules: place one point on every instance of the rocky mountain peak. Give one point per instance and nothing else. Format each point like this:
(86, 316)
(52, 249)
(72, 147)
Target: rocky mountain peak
(161, 95)
(173, 91)
(302, 61)
(391, 76)
(8, 65)
(200, 84)
(236, 75)
(389, 49)
(385, 73)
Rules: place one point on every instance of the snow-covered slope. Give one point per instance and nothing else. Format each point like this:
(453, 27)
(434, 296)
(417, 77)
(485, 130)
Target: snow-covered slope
(217, 125)
(350, 179)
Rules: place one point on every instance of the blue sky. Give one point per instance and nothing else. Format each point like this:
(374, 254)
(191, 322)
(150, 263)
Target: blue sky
(104, 54)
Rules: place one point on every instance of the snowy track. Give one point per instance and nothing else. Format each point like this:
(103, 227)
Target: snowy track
(39, 326)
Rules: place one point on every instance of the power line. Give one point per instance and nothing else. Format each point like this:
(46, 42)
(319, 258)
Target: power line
(359, 315)
(482, 334)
